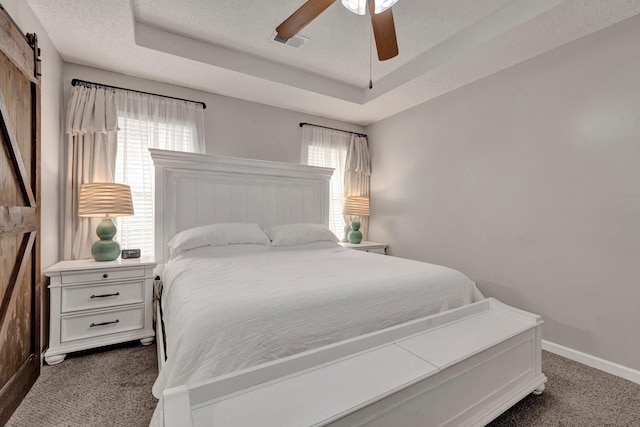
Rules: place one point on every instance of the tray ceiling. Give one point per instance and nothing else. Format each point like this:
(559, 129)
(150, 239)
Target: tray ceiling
(225, 47)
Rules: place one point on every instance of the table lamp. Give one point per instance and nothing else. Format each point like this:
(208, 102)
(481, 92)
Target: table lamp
(105, 200)
(356, 206)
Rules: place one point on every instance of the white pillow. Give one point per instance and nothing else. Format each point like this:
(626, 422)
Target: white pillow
(300, 234)
(217, 235)
(325, 244)
(235, 250)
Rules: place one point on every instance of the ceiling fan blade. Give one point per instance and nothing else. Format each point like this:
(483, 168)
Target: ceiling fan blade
(303, 16)
(384, 31)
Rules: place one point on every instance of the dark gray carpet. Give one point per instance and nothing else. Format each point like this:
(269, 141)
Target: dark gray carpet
(576, 395)
(113, 388)
(110, 387)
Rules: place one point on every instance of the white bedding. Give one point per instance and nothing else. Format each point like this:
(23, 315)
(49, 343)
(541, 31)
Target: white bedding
(230, 308)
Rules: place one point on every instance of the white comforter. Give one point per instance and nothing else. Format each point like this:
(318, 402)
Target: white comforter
(232, 311)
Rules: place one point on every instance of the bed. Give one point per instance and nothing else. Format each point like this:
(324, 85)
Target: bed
(231, 307)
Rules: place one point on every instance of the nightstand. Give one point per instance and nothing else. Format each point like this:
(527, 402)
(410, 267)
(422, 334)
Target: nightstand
(374, 247)
(99, 303)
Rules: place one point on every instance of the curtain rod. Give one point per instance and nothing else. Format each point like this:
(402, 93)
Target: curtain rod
(327, 127)
(76, 82)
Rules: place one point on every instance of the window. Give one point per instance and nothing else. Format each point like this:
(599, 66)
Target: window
(328, 148)
(332, 158)
(145, 122)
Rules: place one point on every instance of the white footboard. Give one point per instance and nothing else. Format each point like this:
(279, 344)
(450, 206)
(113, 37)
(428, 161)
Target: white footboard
(461, 367)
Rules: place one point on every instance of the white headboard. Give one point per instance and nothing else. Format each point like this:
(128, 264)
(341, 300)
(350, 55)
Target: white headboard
(198, 189)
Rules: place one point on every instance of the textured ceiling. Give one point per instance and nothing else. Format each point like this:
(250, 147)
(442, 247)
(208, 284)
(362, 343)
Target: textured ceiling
(339, 41)
(224, 47)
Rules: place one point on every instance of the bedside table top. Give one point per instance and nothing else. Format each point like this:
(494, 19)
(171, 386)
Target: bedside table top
(364, 244)
(91, 264)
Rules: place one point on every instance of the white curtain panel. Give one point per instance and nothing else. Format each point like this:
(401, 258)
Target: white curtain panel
(328, 148)
(357, 175)
(91, 128)
(150, 121)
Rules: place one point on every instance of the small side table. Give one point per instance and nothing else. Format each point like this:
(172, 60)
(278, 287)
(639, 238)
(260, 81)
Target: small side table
(95, 304)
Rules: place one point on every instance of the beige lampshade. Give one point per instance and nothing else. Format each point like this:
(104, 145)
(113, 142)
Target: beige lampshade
(102, 199)
(356, 205)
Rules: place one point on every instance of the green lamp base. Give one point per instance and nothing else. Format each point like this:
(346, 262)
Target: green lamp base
(355, 235)
(106, 249)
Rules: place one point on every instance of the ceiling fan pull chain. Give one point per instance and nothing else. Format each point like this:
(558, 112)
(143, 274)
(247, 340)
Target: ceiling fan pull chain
(370, 60)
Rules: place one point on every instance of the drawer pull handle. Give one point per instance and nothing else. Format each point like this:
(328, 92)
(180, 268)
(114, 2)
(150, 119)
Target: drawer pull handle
(105, 295)
(105, 276)
(93, 325)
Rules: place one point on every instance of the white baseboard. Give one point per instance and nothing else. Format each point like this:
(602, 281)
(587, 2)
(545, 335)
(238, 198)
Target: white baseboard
(593, 361)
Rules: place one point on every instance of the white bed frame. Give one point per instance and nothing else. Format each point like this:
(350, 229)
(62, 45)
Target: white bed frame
(198, 189)
(500, 368)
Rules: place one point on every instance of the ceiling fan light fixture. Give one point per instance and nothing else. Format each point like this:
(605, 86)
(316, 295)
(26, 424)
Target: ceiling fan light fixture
(360, 6)
(383, 5)
(355, 6)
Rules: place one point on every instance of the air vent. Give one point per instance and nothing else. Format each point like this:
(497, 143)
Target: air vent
(278, 38)
(296, 41)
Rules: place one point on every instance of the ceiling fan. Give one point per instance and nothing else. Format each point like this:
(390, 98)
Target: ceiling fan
(384, 29)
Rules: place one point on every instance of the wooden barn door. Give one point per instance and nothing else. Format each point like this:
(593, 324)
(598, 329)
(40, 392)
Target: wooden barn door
(19, 215)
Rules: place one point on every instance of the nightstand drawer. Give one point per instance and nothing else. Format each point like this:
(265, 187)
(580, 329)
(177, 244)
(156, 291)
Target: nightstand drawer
(91, 325)
(364, 246)
(101, 275)
(75, 298)
(376, 250)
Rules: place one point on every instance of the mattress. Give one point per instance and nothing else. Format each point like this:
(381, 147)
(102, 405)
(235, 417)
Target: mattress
(229, 308)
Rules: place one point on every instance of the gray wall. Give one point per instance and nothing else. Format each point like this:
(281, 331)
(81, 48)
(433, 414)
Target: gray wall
(233, 127)
(528, 181)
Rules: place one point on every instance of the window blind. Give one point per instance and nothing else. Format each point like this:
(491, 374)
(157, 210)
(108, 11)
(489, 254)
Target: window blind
(135, 168)
(332, 158)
